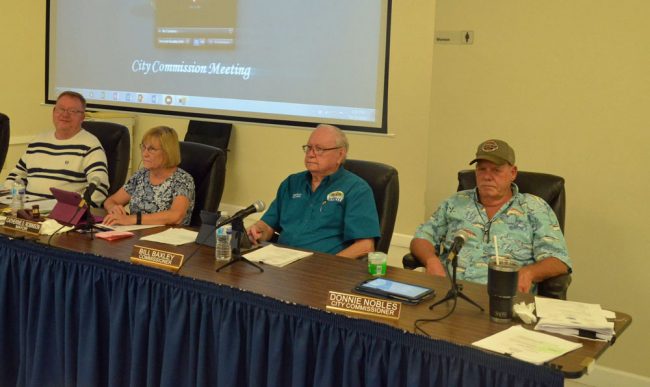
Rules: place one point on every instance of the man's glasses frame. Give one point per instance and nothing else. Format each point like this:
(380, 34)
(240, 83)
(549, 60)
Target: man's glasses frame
(74, 112)
(317, 150)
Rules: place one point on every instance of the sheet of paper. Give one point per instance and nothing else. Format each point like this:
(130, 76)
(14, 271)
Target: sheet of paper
(609, 314)
(573, 319)
(132, 227)
(172, 236)
(571, 313)
(527, 345)
(276, 256)
(50, 226)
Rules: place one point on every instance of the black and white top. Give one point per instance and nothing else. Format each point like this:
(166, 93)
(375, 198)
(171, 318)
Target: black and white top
(148, 198)
(66, 164)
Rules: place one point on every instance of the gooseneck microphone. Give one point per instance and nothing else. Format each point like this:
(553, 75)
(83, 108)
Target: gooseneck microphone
(459, 240)
(255, 207)
(88, 194)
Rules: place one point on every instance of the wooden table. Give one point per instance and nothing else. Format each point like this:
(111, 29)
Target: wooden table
(308, 281)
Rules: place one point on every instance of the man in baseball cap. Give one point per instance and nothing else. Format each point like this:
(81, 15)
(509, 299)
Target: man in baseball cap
(525, 226)
(496, 151)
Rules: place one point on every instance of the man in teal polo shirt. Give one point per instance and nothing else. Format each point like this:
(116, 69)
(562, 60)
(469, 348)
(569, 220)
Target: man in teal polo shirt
(325, 208)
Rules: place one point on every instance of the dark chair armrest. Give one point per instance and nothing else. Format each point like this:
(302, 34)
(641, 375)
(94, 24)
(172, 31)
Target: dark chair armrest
(409, 262)
(555, 287)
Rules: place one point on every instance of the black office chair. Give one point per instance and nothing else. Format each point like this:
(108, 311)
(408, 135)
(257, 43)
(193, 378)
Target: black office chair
(384, 182)
(216, 134)
(207, 165)
(116, 141)
(546, 186)
(5, 133)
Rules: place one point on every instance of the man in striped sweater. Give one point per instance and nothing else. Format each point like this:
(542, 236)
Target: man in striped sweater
(68, 158)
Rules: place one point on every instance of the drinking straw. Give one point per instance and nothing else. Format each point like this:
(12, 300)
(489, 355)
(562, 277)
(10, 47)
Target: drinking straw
(496, 249)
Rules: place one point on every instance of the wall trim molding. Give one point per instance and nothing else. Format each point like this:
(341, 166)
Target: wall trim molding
(20, 140)
(605, 376)
(401, 240)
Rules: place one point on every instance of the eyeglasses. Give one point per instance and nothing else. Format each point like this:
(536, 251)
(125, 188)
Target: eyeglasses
(73, 112)
(317, 150)
(149, 149)
(486, 231)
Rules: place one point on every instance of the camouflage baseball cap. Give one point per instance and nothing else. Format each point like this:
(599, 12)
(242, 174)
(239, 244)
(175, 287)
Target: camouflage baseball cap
(496, 151)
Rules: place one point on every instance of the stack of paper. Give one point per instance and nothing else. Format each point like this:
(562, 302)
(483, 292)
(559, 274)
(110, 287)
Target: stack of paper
(172, 236)
(526, 345)
(276, 256)
(573, 319)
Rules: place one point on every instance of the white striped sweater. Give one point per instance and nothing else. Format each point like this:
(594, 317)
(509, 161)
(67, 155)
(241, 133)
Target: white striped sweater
(66, 164)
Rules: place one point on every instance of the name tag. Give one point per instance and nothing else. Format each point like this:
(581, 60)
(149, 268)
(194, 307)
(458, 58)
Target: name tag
(22, 225)
(161, 259)
(363, 305)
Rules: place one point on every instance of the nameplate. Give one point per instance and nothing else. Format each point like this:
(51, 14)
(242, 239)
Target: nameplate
(157, 258)
(363, 305)
(22, 225)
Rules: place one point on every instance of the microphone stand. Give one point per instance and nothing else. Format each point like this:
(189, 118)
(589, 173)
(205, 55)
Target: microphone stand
(90, 223)
(237, 232)
(456, 289)
(89, 218)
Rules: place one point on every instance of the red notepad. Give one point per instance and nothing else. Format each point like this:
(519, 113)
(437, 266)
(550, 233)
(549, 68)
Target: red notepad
(114, 235)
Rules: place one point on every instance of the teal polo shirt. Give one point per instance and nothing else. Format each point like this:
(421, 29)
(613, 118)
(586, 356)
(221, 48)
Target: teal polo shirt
(341, 210)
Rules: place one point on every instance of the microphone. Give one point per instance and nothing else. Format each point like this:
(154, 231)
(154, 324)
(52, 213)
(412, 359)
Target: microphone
(459, 240)
(89, 193)
(255, 207)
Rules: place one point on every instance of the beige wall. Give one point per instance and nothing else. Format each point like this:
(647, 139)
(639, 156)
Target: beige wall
(261, 156)
(567, 84)
(564, 83)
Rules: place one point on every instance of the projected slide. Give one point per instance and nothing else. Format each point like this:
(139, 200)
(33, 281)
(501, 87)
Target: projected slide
(196, 23)
(285, 61)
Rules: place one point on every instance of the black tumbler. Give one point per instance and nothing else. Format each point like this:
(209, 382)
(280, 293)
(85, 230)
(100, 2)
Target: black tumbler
(502, 288)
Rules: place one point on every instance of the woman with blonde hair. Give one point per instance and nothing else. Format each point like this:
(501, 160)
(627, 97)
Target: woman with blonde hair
(158, 193)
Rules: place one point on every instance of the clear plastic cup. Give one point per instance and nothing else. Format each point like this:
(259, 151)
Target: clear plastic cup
(377, 263)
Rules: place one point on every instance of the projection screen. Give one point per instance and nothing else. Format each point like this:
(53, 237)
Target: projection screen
(286, 62)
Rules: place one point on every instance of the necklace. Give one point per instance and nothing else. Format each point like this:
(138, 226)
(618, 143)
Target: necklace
(487, 223)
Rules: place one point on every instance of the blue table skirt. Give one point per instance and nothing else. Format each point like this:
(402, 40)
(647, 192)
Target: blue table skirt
(70, 319)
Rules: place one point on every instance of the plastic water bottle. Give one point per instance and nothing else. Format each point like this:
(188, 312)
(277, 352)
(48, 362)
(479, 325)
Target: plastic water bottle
(17, 196)
(222, 248)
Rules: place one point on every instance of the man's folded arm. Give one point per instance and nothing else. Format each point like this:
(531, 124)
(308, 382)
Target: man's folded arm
(359, 248)
(424, 251)
(539, 271)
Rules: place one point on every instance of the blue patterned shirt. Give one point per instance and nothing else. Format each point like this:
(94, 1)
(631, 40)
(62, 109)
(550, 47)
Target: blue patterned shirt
(526, 228)
(149, 199)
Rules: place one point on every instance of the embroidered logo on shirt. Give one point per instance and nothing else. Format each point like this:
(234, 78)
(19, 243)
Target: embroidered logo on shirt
(296, 196)
(336, 196)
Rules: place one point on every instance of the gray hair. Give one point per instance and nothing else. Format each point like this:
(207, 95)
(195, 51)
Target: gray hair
(341, 138)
